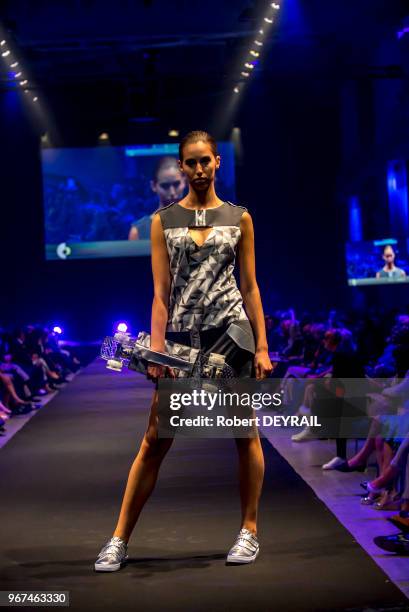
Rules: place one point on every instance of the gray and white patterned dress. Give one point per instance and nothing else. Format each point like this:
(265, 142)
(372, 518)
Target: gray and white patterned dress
(205, 305)
(203, 293)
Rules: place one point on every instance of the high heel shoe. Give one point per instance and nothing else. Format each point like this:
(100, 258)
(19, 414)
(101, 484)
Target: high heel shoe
(345, 467)
(389, 500)
(373, 495)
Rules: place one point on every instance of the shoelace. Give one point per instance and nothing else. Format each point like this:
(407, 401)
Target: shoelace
(244, 538)
(112, 547)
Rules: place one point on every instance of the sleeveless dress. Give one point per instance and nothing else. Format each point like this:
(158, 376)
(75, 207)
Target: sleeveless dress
(205, 305)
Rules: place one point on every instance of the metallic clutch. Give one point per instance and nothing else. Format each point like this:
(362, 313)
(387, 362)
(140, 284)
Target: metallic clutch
(186, 361)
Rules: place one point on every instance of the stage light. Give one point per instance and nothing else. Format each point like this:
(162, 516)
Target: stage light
(26, 91)
(261, 32)
(402, 33)
(14, 65)
(35, 99)
(5, 53)
(268, 20)
(57, 329)
(173, 133)
(17, 75)
(23, 82)
(275, 6)
(236, 90)
(245, 74)
(3, 42)
(254, 53)
(258, 43)
(103, 137)
(122, 327)
(249, 66)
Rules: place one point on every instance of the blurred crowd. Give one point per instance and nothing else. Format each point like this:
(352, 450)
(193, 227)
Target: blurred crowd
(33, 364)
(318, 360)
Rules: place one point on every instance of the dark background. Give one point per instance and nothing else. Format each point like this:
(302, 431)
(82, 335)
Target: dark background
(325, 110)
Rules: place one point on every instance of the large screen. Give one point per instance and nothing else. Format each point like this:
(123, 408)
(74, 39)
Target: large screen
(98, 202)
(378, 262)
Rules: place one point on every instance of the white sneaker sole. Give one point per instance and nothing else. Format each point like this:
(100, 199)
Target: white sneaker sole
(237, 559)
(104, 567)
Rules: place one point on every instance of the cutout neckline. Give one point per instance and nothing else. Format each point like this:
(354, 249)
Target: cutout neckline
(199, 246)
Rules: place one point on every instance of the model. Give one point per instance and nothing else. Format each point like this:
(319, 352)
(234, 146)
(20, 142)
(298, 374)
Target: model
(194, 246)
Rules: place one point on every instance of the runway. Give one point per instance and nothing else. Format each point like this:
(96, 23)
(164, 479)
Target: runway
(63, 475)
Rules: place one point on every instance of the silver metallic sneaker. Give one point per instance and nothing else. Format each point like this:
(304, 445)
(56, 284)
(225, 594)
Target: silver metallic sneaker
(112, 555)
(245, 549)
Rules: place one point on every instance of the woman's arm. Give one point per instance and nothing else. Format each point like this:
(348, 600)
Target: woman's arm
(161, 285)
(251, 295)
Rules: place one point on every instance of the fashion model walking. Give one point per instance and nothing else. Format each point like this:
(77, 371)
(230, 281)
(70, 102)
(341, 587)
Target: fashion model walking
(195, 243)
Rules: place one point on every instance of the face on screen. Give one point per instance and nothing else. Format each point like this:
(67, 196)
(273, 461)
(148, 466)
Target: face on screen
(389, 255)
(169, 184)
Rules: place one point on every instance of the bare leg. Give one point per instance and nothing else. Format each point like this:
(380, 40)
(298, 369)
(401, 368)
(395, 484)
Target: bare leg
(388, 475)
(363, 455)
(251, 475)
(143, 475)
(387, 457)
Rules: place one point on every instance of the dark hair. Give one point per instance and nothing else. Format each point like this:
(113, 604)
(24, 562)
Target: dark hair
(195, 136)
(165, 162)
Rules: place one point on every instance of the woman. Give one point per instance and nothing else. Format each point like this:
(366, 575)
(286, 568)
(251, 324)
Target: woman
(194, 245)
(169, 184)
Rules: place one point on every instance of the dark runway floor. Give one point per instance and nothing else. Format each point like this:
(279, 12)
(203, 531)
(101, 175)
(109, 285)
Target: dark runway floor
(62, 479)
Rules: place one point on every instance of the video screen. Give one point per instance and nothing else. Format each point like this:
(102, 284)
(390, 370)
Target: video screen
(98, 202)
(378, 262)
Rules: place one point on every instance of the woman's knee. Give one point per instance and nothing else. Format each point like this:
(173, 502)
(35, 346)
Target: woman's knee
(154, 447)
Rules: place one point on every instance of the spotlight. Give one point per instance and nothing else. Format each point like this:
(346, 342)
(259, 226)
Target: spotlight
(173, 133)
(35, 99)
(14, 65)
(45, 140)
(57, 329)
(261, 32)
(250, 66)
(17, 75)
(103, 139)
(268, 20)
(245, 74)
(3, 42)
(23, 82)
(254, 53)
(236, 90)
(5, 53)
(258, 43)
(122, 327)
(275, 6)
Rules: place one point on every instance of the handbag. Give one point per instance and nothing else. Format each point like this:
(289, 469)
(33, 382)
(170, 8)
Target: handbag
(186, 361)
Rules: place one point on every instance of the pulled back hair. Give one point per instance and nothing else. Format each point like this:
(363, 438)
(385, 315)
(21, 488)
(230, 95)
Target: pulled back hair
(196, 136)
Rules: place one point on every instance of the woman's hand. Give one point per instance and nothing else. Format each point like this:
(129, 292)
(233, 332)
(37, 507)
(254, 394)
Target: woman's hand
(262, 364)
(155, 371)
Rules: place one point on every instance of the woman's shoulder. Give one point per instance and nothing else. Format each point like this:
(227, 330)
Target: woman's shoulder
(232, 214)
(161, 209)
(243, 208)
